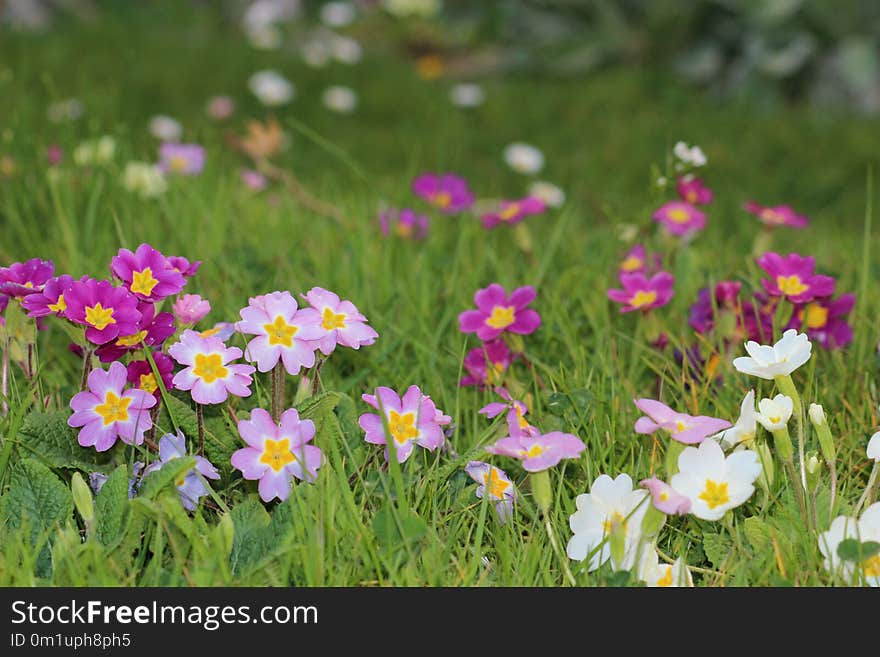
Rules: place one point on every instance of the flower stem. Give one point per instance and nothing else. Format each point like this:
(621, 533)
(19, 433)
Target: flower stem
(798, 490)
(870, 493)
(87, 368)
(316, 376)
(787, 387)
(4, 380)
(200, 420)
(276, 376)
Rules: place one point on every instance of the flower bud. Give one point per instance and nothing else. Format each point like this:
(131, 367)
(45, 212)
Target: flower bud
(823, 432)
(653, 522)
(817, 415)
(768, 474)
(82, 499)
(814, 470)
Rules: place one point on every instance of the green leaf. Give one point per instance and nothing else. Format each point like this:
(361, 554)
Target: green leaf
(113, 508)
(48, 437)
(758, 533)
(716, 547)
(850, 549)
(250, 539)
(167, 475)
(393, 537)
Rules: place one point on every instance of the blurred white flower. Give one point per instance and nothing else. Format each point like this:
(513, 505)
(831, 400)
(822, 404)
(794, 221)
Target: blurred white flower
(220, 107)
(345, 49)
(265, 37)
(144, 179)
(340, 99)
(523, 158)
(315, 53)
(467, 94)
(864, 529)
(268, 12)
(95, 152)
(165, 128)
(689, 155)
(68, 109)
(405, 8)
(271, 88)
(549, 193)
(338, 14)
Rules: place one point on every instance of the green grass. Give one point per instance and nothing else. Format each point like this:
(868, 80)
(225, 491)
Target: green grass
(601, 136)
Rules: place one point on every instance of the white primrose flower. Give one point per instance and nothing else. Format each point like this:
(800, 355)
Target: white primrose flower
(865, 529)
(338, 14)
(523, 158)
(467, 94)
(743, 432)
(775, 413)
(817, 414)
(164, 128)
(692, 155)
(340, 99)
(345, 49)
(783, 358)
(874, 448)
(549, 193)
(271, 88)
(144, 179)
(654, 574)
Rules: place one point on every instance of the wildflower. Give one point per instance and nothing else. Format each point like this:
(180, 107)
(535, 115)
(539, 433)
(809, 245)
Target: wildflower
(866, 529)
(190, 485)
(684, 428)
(467, 95)
(338, 13)
(271, 88)
(654, 574)
(277, 453)
(190, 308)
(634, 262)
(512, 212)
(743, 432)
(497, 313)
(152, 329)
(23, 278)
(49, 300)
(220, 107)
(523, 158)
(516, 411)
(793, 277)
(345, 49)
(98, 479)
(339, 99)
(164, 128)
(824, 320)
(341, 322)
(494, 484)
(54, 155)
(106, 411)
(666, 498)
(680, 218)
(140, 374)
(688, 156)
(775, 413)
(144, 179)
(783, 358)
(430, 66)
(551, 195)
(253, 179)
(184, 159)
(486, 364)
(692, 190)
(95, 152)
(222, 330)
(714, 483)
(183, 266)
(263, 140)
(209, 372)
(108, 312)
(412, 420)
(641, 293)
(147, 273)
(873, 450)
(447, 192)
(779, 215)
(404, 223)
(611, 506)
(538, 451)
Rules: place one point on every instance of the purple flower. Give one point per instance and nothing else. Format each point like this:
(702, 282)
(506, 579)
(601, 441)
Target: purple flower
(147, 273)
(702, 313)
(539, 451)
(640, 293)
(209, 372)
(98, 479)
(151, 329)
(666, 498)
(512, 212)
(184, 266)
(494, 484)
(684, 428)
(340, 320)
(680, 218)
(189, 484)
(486, 364)
(447, 192)
(517, 424)
(404, 223)
(276, 453)
(23, 278)
(825, 320)
(54, 154)
(106, 411)
(140, 374)
(779, 215)
(412, 420)
(636, 261)
(49, 300)
(253, 179)
(497, 313)
(108, 312)
(793, 277)
(190, 308)
(186, 159)
(691, 189)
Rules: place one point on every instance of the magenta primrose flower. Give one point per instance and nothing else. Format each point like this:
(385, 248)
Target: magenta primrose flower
(151, 329)
(640, 293)
(49, 300)
(666, 499)
(184, 266)
(680, 218)
(486, 364)
(778, 215)
(108, 312)
(277, 453)
(793, 277)
(283, 332)
(140, 374)
(340, 320)
(517, 424)
(692, 190)
(495, 485)
(186, 159)
(190, 485)
(635, 261)
(106, 411)
(447, 192)
(539, 451)
(825, 320)
(497, 313)
(412, 420)
(209, 372)
(147, 273)
(23, 278)
(512, 212)
(687, 429)
(404, 223)
(190, 308)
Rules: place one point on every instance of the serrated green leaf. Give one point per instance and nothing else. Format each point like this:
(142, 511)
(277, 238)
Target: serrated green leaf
(113, 509)
(850, 549)
(167, 475)
(183, 414)
(48, 437)
(250, 540)
(716, 547)
(758, 533)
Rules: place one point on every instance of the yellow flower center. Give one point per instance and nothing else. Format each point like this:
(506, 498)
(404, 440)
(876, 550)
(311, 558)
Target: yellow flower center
(402, 427)
(817, 316)
(664, 495)
(871, 566)
(523, 424)
(430, 67)
(631, 263)
(99, 316)
(666, 580)
(143, 282)
(690, 196)
(280, 332)
(616, 519)
(679, 215)
(441, 199)
(775, 419)
(494, 372)
(534, 451)
(277, 454)
(178, 163)
(207, 333)
(114, 409)
(331, 320)
(131, 340)
(791, 285)
(495, 485)
(148, 383)
(501, 317)
(59, 306)
(771, 216)
(209, 367)
(643, 298)
(680, 426)
(404, 230)
(509, 212)
(714, 494)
